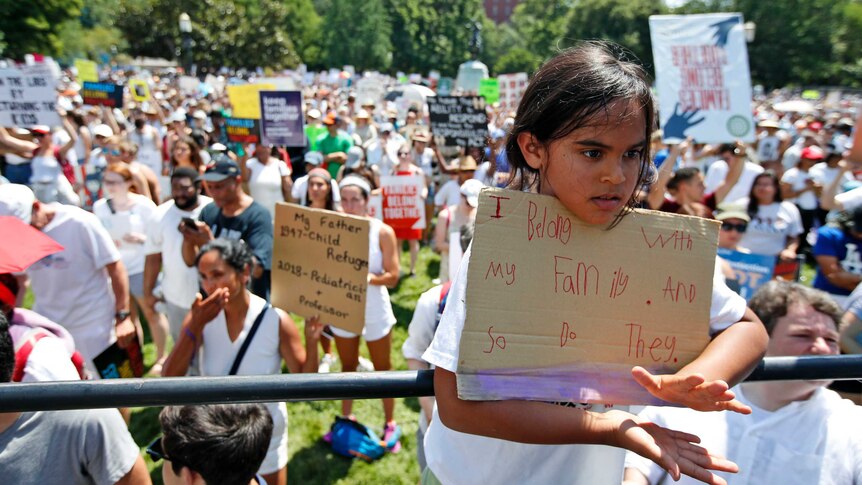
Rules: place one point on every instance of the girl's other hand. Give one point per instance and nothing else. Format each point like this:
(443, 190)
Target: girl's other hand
(313, 328)
(692, 391)
(675, 451)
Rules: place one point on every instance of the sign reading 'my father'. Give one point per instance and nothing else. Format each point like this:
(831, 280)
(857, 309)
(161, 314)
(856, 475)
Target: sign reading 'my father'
(320, 265)
(559, 310)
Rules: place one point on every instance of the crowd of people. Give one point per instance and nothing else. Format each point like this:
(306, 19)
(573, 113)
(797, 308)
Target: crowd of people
(164, 219)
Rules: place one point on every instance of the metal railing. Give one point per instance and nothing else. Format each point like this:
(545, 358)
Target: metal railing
(114, 393)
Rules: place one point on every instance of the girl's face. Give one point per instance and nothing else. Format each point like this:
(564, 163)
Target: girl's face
(731, 233)
(182, 152)
(353, 201)
(318, 189)
(594, 169)
(112, 152)
(115, 184)
(215, 273)
(764, 190)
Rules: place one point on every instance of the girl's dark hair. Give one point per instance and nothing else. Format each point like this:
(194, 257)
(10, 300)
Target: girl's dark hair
(753, 205)
(567, 93)
(195, 152)
(330, 202)
(235, 253)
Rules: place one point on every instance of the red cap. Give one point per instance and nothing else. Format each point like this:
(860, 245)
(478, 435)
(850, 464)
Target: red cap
(812, 153)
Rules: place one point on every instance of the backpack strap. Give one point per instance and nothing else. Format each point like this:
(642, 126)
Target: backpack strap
(238, 360)
(23, 353)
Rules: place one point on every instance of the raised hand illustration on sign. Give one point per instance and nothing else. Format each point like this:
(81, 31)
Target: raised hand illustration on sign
(676, 126)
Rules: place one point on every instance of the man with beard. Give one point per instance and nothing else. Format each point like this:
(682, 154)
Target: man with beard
(164, 249)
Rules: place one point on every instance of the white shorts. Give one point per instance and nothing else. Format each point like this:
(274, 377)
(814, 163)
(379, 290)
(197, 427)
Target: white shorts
(371, 331)
(276, 454)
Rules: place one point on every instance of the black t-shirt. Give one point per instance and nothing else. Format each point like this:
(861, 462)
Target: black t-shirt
(253, 225)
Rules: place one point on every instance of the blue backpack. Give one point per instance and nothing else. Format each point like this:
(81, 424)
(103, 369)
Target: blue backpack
(352, 439)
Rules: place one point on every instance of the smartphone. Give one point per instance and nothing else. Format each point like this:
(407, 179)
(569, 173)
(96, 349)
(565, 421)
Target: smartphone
(190, 223)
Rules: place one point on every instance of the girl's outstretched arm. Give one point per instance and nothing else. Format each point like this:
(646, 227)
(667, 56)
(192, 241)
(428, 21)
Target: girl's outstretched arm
(727, 360)
(544, 423)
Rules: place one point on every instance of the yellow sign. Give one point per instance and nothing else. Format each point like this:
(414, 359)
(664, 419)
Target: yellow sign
(88, 71)
(140, 90)
(245, 99)
(320, 265)
(560, 311)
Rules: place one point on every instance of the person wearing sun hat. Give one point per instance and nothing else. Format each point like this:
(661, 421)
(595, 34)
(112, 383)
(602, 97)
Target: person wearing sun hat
(365, 129)
(771, 144)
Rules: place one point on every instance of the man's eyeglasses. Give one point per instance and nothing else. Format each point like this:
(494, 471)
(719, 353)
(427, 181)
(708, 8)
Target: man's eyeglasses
(156, 452)
(727, 226)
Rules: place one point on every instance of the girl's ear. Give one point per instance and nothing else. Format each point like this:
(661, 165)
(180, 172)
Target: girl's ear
(534, 152)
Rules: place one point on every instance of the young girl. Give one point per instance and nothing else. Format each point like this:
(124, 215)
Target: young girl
(581, 135)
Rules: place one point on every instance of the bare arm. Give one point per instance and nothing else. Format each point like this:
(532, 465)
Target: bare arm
(22, 148)
(73, 137)
(391, 265)
(656, 192)
(441, 239)
(851, 327)
(425, 402)
(837, 275)
(120, 285)
(298, 357)
(138, 475)
(152, 265)
(827, 198)
(732, 177)
(192, 334)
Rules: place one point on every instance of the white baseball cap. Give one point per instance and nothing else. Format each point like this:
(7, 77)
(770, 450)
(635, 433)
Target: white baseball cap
(470, 189)
(16, 200)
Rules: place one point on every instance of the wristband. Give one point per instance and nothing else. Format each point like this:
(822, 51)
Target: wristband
(121, 315)
(188, 333)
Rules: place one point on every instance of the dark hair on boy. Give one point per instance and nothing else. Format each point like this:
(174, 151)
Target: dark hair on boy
(682, 175)
(235, 253)
(187, 172)
(573, 90)
(224, 443)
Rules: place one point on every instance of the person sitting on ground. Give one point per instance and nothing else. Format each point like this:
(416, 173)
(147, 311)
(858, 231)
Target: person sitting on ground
(212, 444)
(798, 431)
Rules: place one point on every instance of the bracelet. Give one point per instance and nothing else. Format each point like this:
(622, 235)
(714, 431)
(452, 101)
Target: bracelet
(188, 333)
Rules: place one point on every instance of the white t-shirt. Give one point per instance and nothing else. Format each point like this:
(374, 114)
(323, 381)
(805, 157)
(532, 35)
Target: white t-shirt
(72, 287)
(816, 441)
(851, 199)
(718, 172)
(797, 180)
(457, 457)
(299, 192)
(768, 230)
(382, 153)
(825, 176)
(147, 141)
(120, 223)
(179, 282)
(420, 333)
(767, 148)
(264, 182)
(449, 194)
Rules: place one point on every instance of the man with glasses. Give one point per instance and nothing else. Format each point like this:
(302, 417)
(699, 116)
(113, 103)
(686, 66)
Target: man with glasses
(223, 443)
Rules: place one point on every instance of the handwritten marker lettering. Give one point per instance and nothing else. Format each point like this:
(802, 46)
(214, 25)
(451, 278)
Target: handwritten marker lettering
(677, 240)
(499, 342)
(680, 290)
(566, 334)
(497, 213)
(578, 284)
(621, 281)
(559, 227)
(658, 346)
(496, 270)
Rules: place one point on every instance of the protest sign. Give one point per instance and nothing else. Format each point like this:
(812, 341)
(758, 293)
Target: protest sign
(281, 118)
(320, 265)
(375, 205)
(245, 100)
(88, 71)
(188, 84)
(444, 87)
(28, 96)
(139, 89)
(751, 271)
(512, 87)
(242, 130)
(403, 206)
(559, 310)
(120, 363)
(102, 94)
(490, 90)
(280, 83)
(370, 88)
(460, 120)
(702, 76)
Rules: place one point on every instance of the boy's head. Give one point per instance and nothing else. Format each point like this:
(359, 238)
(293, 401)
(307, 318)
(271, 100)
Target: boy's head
(218, 444)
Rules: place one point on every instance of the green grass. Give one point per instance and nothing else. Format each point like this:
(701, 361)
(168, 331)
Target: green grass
(310, 461)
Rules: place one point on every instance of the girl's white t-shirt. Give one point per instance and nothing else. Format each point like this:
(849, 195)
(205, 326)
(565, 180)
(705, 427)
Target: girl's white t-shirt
(768, 231)
(460, 458)
(120, 223)
(797, 180)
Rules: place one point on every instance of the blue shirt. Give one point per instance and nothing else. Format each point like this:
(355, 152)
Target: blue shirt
(833, 241)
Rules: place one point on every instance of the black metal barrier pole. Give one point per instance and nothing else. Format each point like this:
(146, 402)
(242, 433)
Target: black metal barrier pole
(114, 393)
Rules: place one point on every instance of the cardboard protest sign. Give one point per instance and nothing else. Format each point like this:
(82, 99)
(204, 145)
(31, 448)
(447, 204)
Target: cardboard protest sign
(490, 90)
(704, 85)
(320, 265)
(403, 206)
(242, 130)
(245, 100)
(512, 87)
(751, 270)
(139, 89)
(559, 310)
(102, 94)
(88, 71)
(116, 363)
(460, 120)
(28, 96)
(281, 118)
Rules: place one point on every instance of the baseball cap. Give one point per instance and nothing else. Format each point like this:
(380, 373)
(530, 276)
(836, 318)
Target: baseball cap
(811, 153)
(731, 211)
(40, 129)
(221, 168)
(354, 156)
(331, 119)
(470, 189)
(103, 130)
(16, 200)
(313, 113)
(314, 158)
(384, 127)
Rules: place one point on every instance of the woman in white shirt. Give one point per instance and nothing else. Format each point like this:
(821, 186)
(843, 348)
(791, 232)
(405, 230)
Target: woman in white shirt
(268, 178)
(775, 223)
(799, 185)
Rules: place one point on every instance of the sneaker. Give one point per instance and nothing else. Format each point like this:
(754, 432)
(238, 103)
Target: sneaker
(392, 431)
(365, 365)
(326, 363)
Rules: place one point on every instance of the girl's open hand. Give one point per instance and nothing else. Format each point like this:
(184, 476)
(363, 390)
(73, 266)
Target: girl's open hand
(692, 391)
(675, 451)
(313, 328)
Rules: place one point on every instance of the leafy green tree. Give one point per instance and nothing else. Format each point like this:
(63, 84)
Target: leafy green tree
(32, 27)
(518, 60)
(302, 23)
(542, 25)
(356, 33)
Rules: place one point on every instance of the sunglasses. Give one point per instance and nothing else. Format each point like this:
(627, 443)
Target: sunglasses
(727, 226)
(156, 452)
(112, 151)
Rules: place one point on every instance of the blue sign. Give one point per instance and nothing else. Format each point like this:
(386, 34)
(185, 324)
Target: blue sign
(281, 118)
(751, 270)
